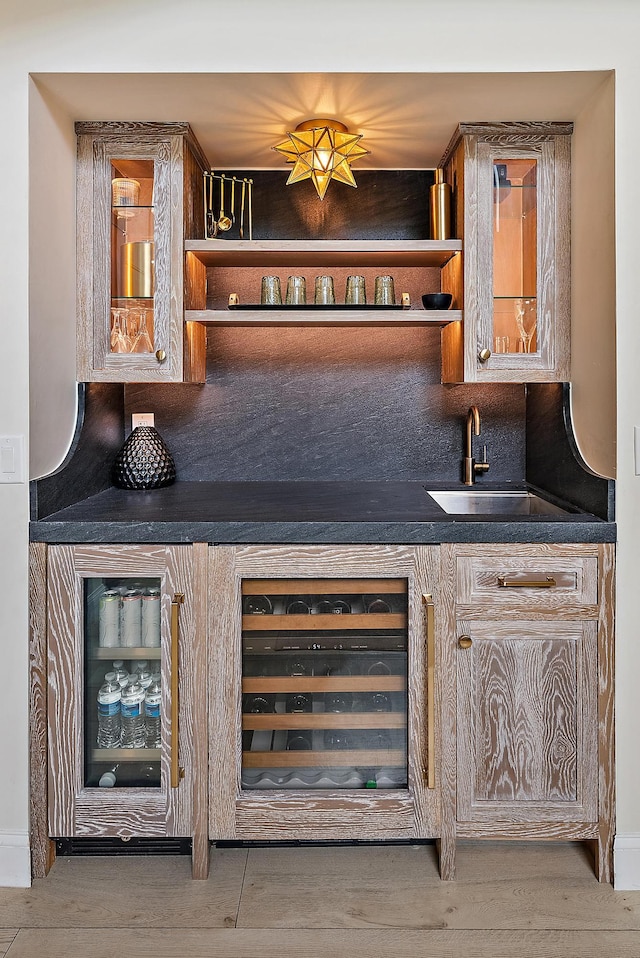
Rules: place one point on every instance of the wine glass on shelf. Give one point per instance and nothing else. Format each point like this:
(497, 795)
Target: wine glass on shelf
(525, 313)
(142, 341)
(119, 338)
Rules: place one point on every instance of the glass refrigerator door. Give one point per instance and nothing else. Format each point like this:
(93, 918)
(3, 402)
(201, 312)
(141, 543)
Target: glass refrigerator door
(515, 237)
(123, 689)
(132, 256)
(324, 692)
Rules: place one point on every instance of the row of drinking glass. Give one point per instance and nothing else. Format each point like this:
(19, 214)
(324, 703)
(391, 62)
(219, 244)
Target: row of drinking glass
(324, 293)
(130, 329)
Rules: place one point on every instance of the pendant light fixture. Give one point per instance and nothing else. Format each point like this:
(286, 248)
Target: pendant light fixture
(321, 150)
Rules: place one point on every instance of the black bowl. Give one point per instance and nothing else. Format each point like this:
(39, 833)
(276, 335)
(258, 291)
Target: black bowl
(437, 300)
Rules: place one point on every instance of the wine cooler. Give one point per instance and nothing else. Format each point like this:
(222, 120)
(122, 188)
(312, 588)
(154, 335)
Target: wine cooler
(323, 721)
(121, 699)
(324, 687)
(324, 683)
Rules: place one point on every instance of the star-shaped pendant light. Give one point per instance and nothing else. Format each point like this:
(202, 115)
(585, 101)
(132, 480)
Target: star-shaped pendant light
(321, 150)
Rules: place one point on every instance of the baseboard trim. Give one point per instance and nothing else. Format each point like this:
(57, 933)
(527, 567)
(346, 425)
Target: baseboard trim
(15, 860)
(626, 862)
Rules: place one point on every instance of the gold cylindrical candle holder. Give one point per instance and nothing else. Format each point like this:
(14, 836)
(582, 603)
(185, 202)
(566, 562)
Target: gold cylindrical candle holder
(440, 208)
(137, 270)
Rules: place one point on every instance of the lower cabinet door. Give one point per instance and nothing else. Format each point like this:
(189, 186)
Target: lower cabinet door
(321, 692)
(120, 646)
(527, 721)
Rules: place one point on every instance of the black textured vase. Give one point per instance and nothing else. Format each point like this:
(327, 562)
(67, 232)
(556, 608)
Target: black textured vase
(144, 462)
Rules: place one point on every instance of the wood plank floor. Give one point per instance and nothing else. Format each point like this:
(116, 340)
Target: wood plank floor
(509, 901)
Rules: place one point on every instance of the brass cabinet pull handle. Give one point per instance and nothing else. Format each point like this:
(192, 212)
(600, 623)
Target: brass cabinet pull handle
(465, 642)
(427, 598)
(484, 355)
(161, 355)
(506, 583)
(178, 599)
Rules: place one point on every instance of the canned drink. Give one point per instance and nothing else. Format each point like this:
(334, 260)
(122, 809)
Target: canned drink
(151, 619)
(109, 619)
(131, 624)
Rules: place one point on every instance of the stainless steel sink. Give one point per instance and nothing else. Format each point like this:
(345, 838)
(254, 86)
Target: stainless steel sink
(489, 502)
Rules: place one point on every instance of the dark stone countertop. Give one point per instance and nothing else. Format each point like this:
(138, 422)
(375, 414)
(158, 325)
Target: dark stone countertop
(299, 512)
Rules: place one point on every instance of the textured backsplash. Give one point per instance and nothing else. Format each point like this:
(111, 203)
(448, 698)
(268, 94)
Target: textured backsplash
(329, 403)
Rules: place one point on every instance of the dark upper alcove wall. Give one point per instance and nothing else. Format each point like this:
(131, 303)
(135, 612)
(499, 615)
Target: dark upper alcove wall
(386, 204)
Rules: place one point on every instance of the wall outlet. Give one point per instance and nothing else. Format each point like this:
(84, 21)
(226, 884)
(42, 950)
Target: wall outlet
(142, 419)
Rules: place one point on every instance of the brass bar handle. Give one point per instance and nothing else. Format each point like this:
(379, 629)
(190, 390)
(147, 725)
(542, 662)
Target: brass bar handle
(176, 771)
(427, 598)
(506, 583)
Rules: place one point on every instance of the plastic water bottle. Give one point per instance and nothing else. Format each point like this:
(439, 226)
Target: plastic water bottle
(109, 778)
(109, 715)
(132, 712)
(153, 698)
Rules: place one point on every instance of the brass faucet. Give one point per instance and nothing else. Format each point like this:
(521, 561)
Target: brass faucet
(471, 468)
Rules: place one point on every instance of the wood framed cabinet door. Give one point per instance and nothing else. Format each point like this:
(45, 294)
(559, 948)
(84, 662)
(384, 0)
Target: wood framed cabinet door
(512, 211)
(139, 194)
(323, 725)
(97, 624)
(527, 744)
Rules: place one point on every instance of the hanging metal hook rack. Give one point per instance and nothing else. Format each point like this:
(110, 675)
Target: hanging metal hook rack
(215, 201)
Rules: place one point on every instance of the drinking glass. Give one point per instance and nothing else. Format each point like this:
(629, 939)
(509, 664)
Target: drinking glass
(355, 293)
(124, 192)
(384, 292)
(119, 338)
(271, 294)
(141, 341)
(296, 291)
(325, 293)
(525, 311)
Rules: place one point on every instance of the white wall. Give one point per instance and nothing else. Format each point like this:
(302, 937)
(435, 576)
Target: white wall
(87, 36)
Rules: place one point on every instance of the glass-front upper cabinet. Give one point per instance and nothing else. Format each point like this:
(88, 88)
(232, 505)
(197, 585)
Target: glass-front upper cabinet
(139, 197)
(121, 648)
(512, 184)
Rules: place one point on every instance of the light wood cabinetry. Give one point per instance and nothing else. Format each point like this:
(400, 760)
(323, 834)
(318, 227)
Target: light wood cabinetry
(408, 810)
(473, 687)
(130, 252)
(156, 789)
(511, 184)
(527, 673)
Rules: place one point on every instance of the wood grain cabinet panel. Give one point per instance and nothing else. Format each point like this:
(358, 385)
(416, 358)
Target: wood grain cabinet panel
(527, 721)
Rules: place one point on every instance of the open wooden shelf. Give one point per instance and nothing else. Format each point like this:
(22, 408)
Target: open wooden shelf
(380, 318)
(290, 252)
